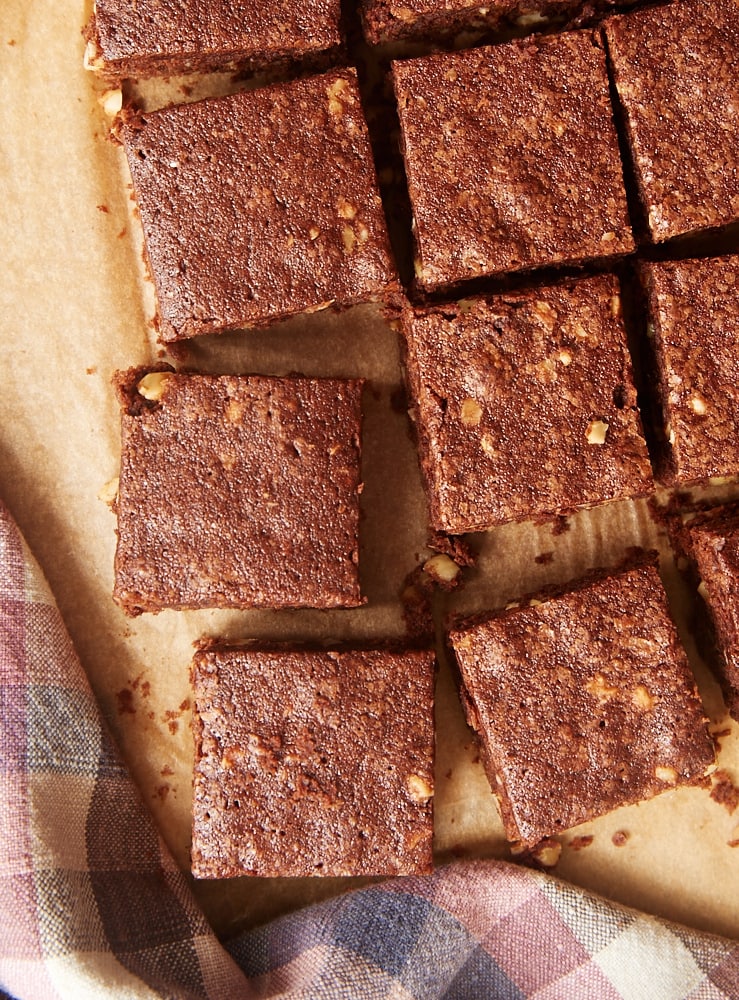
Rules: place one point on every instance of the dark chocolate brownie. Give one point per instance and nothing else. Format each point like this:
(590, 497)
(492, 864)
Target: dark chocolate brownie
(713, 539)
(312, 763)
(512, 158)
(524, 404)
(237, 491)
(694, 340)
(163, 37)
(676, 70)
(439, 20)
(582, 702)
(259, 205)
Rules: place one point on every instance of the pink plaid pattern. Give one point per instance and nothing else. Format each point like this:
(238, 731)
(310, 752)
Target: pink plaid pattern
(92, 905)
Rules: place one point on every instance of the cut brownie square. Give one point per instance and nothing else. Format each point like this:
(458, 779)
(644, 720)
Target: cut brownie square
(237, 491)
(694, 339)
(312, 763)
(154, 38)
(524, 404)
(582, 702)
(676, 70)
(259, 205)
(512, 158)
(713, 545)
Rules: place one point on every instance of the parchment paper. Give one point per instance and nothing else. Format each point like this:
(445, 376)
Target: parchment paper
(76, 307)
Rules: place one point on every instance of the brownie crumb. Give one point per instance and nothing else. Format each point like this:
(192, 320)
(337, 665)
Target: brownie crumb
(416, 597)
(560, 525)
(620, 837)
(545, 854)
(725, 792)
(124, 697)
(578, 843)
(544, 558)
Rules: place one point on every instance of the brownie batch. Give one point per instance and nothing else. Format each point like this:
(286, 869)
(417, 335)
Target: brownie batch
(586, 150)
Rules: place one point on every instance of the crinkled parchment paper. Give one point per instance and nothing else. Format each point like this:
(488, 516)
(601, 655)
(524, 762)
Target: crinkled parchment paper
(76, 307)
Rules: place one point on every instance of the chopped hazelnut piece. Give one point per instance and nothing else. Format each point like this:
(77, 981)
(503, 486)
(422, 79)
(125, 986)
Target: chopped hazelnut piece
(418, 788)
(153, 385)
(667, 774)
(596, 432)
(441, 568)
(109, 492)
(471, 412)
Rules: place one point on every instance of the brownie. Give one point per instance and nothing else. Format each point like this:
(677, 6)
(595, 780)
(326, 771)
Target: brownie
(694, 342)
(259, 205)
(440, 20)
(164, 37)
(713, 545)
(512, 158)
(524, 404)
(676, 68)
(312, 763)
(582, 702)
(237, 491)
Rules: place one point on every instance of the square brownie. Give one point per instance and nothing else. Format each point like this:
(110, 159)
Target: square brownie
(259, 205)
(512, 158)
(155, 38)
(582, 702)
(676, 68)
(524, 404)
(713, 546)
(694, 342)
(237, 491)
(312, 763)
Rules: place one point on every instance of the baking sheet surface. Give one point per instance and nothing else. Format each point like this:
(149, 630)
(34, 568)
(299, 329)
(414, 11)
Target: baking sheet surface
(76, 307)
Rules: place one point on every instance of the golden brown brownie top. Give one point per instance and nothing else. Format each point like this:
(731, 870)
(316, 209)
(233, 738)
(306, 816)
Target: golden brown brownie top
(524, 404)
(148, 30)
(259, 205)
(676, 68)
(238, 491)
(312, 763)
(583, 702)
(512, 158)
(694, 320)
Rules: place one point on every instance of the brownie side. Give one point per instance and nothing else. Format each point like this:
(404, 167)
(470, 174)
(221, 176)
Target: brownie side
(164, 37)
(524, 405)
(440, 20)
(312, 763)
(512, 158)
(714, 549)
(676, 68)
(237, 491)
(694, 332)
(259, 205)
(582, 703)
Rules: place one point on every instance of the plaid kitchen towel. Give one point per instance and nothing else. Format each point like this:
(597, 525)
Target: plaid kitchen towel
(92, 905)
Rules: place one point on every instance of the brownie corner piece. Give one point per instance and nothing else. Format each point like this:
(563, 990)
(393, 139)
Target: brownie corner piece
(713, 547)
(259, 205)
(692, 336)
(150, 38)
(583, 702)
(495, 141)
(237, 491)
(524, 404)
(312, 763)
(675, 68)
